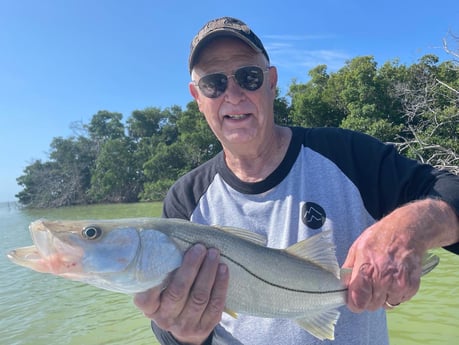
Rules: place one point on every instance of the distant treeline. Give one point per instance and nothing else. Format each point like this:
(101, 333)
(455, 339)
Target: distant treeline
(110, 160)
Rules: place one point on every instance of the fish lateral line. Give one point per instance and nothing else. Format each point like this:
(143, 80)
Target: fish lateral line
(281, 286)
(237, 263)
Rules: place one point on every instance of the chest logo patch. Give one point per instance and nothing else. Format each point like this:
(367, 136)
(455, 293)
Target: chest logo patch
(313, 215)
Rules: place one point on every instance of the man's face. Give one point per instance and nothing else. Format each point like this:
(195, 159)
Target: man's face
(238, 116)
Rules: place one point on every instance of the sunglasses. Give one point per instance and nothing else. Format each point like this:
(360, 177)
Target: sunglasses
(249, 78)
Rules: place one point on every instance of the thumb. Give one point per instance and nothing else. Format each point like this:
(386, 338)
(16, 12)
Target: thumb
(350, 259)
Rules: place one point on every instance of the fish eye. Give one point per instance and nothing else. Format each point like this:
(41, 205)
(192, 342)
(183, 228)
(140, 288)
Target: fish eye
(91, 232)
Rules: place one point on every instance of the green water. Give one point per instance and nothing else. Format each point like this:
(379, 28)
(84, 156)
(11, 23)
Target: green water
(40, 309)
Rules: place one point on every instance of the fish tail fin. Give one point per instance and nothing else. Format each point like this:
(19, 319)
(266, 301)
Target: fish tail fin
(320, 324)
(429, 262)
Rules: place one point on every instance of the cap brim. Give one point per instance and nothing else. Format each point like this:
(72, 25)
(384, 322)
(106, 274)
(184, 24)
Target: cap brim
(219, 33)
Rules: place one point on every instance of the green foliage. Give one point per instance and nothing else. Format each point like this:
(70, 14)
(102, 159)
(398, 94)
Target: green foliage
(413, 107)
(281, 110)
(196, 137)
(106, 125)
(39, 177)
(62, 181)
(116, 174)
(156, 190)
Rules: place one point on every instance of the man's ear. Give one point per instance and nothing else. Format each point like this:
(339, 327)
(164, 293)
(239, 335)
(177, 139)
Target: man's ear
(193, 89)
(195, 93)
(273, 78)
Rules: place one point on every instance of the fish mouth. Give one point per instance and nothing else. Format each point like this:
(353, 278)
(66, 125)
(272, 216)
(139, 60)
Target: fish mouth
(49, 254)
(28, 257)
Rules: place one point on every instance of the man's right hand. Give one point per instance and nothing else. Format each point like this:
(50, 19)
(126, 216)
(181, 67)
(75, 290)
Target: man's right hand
(192, 303)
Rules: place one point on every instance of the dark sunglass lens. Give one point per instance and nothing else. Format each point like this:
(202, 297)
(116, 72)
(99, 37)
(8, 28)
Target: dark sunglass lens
(213, 85)
(249, 78)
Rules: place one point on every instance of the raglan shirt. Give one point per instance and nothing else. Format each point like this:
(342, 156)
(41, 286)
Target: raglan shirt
(330, 179)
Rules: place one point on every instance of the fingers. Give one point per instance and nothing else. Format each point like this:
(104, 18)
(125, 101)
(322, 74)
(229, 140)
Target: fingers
(217, 301)
(175, 296)
(207, 296)
(148, 302)
(350, 259)
(372, 287)
(191, 304)
(360, 289)
(385, 268)
(405, 285)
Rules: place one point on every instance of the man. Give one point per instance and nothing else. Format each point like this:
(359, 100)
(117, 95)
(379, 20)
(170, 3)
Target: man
(385, 211)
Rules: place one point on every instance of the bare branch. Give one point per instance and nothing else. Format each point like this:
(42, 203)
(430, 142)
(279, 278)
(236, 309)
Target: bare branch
(446, 85)
(446, 45)
(430, 125)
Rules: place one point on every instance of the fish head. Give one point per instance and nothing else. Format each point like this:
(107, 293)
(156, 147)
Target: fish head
(73, 249)
(122, 255)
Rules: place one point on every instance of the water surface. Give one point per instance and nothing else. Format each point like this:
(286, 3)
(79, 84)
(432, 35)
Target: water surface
(40, 309)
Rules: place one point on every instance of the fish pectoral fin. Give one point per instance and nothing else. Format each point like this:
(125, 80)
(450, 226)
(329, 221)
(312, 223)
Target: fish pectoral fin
(320, 324)
(231, 313)
(318, 249)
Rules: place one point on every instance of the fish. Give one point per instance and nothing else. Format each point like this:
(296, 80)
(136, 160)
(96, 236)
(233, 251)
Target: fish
(303, 282)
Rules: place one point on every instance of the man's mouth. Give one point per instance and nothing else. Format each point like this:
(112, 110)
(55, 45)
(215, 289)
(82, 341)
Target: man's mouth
(237, 116)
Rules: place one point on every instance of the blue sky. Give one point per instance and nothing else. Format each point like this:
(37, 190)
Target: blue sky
(61, 61)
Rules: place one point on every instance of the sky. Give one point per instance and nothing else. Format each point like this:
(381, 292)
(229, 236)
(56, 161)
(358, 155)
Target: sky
(61, 61)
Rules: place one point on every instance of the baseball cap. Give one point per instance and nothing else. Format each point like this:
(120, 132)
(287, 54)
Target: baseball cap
(225, 26)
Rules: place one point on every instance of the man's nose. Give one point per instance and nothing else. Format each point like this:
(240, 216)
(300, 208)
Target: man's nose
(234, 92)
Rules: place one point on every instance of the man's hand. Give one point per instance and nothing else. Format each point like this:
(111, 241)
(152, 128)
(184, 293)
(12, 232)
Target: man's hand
(386, 259)
(384, 270)
(192, 302)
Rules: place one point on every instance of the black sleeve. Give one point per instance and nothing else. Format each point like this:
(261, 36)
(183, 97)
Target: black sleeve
(184, 195)
(165, 338)
(386, 179)
(218, 337)
(446, 187)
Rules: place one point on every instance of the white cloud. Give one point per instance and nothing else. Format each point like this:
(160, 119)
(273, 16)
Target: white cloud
(295, 55)
(293, 52)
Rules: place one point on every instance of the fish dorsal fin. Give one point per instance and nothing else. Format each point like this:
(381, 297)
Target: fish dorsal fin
(244, 234)
(318, 249)
(320, 324)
